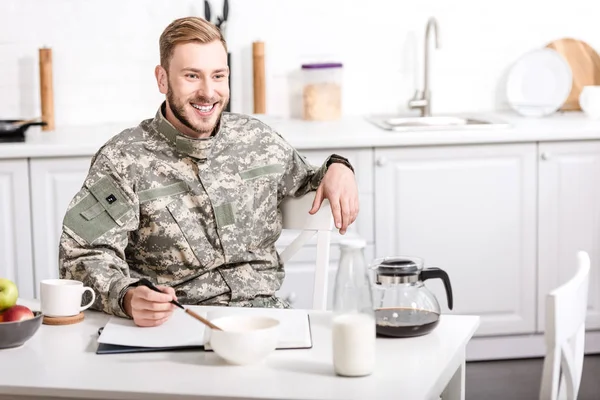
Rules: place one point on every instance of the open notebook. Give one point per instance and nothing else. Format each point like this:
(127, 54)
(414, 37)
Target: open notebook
(183, 332)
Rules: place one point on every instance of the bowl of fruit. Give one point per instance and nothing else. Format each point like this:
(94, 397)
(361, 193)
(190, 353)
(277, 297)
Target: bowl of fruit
(17, 322)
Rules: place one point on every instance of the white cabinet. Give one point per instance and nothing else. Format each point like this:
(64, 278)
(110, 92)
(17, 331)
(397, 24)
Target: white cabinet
(54, 182)
(15, 224)
(569, 219)
(470, 210)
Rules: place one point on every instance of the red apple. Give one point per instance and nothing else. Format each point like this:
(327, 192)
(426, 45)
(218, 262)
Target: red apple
(17, 313)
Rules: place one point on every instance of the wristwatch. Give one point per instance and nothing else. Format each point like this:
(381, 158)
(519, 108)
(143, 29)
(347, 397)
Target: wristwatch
(335, 158)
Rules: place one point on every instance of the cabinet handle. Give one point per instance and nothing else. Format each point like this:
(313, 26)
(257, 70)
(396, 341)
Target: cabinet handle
(381, 161)
(545, 156)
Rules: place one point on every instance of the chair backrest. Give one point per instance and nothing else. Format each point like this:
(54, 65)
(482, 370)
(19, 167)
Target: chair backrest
(295, 216)
(566, 308)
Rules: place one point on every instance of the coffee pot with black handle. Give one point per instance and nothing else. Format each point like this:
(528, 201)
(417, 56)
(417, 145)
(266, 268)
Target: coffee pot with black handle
(404, 306)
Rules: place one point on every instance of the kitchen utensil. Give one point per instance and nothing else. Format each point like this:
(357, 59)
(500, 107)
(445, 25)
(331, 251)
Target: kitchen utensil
(10, 126)
(46, 88)
(584, 62)
(258, 75)
(225, 10)
(207, 13)
(221, 23)
(542, 79)
(150, 285)
(220, 19)
(13, 130)
(404, 306)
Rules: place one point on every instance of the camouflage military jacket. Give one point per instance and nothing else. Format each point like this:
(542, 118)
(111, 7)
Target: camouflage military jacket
(199, 215)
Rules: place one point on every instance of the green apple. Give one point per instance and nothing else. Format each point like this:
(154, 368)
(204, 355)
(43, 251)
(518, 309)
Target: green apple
(8, 294)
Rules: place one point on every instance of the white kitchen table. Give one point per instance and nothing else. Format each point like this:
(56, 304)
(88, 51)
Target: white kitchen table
(60, 362)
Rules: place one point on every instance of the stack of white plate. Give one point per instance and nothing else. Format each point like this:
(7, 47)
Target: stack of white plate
(539, 83)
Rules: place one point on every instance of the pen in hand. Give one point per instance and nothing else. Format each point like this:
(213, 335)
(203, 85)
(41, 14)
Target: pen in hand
(149, 285)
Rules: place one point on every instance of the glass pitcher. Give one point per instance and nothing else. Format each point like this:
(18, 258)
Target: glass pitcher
(353, 330)
(404, 306)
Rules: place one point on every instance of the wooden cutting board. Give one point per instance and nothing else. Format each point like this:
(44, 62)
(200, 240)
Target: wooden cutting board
(585, 65)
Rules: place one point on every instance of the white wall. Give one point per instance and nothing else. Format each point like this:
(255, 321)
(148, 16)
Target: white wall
(105, 51)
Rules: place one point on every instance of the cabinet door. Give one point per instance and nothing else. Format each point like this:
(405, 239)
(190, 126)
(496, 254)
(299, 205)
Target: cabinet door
(15, 227)
(569, 219)
(470, 210)
(54, 182)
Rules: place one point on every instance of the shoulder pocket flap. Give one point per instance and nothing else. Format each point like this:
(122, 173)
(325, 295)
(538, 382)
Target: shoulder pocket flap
(93, 211)
(79, 219)
(263, 170)
(163, 191)
(111, 197)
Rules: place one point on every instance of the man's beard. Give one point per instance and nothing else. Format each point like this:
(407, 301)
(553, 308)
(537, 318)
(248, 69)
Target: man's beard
(178, 110)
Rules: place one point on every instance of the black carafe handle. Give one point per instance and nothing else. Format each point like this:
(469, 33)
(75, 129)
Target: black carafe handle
(434, 272)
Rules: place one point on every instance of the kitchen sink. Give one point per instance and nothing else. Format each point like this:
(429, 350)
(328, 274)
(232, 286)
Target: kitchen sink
(438, 122)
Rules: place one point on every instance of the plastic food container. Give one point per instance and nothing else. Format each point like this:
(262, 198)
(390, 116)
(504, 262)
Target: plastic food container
(322, 91)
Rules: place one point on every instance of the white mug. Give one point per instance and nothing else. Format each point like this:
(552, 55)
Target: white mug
(62, 297)
(589, 100)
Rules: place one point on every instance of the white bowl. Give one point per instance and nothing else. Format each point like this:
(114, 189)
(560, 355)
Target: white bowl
(245, 339)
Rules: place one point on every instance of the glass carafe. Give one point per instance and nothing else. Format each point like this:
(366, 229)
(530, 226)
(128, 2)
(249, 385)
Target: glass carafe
(404, 306)
(353, 325)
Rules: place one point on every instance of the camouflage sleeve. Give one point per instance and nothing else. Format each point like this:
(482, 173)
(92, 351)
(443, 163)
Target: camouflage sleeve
(94, 235)
(300, 177)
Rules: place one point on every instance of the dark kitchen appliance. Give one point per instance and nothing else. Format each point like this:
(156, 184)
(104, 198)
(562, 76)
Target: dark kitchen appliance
(13, 130)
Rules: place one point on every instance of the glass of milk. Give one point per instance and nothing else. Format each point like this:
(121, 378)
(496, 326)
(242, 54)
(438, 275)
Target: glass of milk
(353, 330)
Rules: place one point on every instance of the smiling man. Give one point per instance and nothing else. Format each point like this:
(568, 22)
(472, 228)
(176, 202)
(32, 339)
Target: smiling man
(189, 199)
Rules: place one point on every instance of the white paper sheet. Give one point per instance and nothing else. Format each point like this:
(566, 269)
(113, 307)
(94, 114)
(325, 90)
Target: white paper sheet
(178, 331)
(183, 330)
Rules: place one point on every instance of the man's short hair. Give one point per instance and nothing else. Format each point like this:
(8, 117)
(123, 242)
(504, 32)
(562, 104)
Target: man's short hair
(186, 30)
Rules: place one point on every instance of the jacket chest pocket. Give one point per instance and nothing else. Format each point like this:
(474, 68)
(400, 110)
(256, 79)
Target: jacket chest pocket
(247, 219)
(192, 230)
(263, 182)
(263, 221)
(171, 234)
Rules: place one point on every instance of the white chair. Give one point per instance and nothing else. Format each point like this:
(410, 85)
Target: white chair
(566, 308)
(295, 216)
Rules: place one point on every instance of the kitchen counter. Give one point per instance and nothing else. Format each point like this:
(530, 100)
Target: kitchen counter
(349, 132)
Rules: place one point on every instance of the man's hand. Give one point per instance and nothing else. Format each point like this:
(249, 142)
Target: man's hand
(147, 307)
(339, 187)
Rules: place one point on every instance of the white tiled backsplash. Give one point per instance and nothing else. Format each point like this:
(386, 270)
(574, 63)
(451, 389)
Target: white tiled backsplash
(105, 51)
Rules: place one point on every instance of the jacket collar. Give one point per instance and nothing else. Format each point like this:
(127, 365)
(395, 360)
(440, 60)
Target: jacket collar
(199, 148)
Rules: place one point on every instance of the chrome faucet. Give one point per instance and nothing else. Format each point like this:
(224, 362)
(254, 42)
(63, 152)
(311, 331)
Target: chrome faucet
(422, 99)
